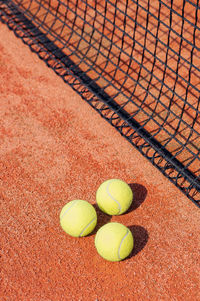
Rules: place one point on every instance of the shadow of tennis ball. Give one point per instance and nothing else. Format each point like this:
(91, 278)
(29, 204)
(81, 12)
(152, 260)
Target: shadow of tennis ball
(141, 237)
(102, 218)
(139, 195)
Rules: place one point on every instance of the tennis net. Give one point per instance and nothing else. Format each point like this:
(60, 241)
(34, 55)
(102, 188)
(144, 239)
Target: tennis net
(137, 63)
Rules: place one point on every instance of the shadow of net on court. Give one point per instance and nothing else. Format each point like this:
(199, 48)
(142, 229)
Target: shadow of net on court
(137, 63)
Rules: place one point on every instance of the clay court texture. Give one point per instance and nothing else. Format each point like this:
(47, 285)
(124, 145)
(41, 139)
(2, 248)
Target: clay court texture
(56, 148)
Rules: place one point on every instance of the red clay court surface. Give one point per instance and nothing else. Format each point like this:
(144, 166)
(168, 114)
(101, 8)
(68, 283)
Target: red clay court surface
(56, 148)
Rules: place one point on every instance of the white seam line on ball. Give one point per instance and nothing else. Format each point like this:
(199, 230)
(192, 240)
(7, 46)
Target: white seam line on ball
(116, 201)
(121, 244)
(68, 209)
(87, 226)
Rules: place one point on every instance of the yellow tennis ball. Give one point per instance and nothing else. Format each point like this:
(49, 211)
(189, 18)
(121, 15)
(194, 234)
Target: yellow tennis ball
(114, 241)
(78, 218)
(114, 197)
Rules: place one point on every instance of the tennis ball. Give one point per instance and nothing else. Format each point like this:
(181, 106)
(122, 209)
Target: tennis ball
(114, 241)
(78, 218)
(114, 197)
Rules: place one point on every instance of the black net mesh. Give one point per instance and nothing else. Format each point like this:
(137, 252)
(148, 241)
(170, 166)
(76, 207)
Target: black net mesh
(137, 63)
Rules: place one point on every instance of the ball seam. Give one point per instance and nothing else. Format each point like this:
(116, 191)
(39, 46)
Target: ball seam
(121, 244)
(87, 226)
(66, 211)
(110, 195)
